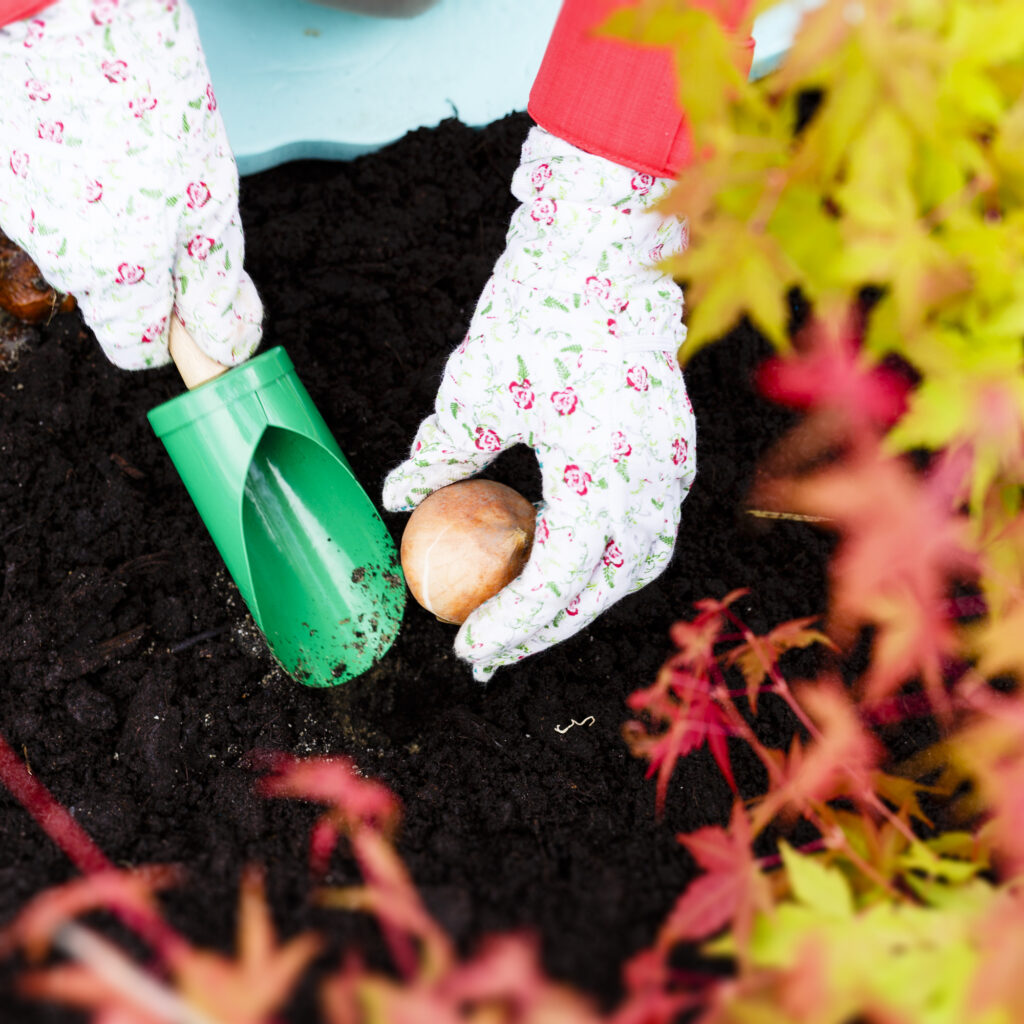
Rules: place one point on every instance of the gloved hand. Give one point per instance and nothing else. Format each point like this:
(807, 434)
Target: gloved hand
(572, 350)
(118, 180)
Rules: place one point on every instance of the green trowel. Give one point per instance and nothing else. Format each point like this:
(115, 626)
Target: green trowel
(301, 539)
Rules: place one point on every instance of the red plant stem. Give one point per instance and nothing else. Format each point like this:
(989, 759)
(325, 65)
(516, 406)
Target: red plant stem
(782, 689)
(53, 818)
(400, 945)
(56, 821)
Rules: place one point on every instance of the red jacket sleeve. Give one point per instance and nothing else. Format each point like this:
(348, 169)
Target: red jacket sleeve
(610, 97)
(15, 10)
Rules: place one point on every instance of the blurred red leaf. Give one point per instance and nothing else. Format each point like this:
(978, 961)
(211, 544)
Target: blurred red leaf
(840, 761)
(250, 987)
(129, 892)
(354, 802)
(78, 986)
(829, 370)
(732, 888)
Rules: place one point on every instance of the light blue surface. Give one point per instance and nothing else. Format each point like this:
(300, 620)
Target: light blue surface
(299, 80)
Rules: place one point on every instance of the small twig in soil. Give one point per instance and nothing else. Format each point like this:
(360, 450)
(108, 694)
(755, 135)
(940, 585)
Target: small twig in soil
(191, 641)
(562, 730)
(143, 563)
(126, 467)
(795, 517)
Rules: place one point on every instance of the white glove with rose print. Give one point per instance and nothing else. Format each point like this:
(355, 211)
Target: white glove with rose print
(118, 180)
(571, 350)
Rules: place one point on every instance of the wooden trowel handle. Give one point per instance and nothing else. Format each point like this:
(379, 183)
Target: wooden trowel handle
(194, 365)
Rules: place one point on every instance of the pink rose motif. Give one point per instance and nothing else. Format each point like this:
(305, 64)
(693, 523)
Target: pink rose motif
(656, 253)
(680, 451)
(613, 327)
(487, 440)
(198, 195)
(51, 131)
(620, 446)
(522, 393)
(642, 183)
(636, 377)
(541, 532)
(114, 70)
(199, 247)
(93, 191)
(130, 273)
(35, 32)
(211, 100)
(598, 287)
(613, 555)
(544, 210)
(577, 479)
(565, 402)
(142, 105)
(37, 90)
(19, 164)
(154, 332)
(573, 607)
(620, 305)
(103, 11)
(31, 222)
(541, 176)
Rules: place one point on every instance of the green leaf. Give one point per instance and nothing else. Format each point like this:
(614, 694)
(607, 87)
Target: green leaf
(552, 303)
(563, 370)
(815, 885)
(920, 858)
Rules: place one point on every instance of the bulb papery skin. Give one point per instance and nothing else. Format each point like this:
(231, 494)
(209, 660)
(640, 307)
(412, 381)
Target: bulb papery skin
(463, 544)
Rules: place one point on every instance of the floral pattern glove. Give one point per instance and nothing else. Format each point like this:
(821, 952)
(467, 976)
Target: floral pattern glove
(571, 350)
(118, 180)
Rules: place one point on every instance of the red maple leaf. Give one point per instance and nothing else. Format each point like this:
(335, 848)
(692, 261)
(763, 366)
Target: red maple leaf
(354, 802)
(732, 888)
(903, 541)
(829, 370)
(685, 717)
(839, 761)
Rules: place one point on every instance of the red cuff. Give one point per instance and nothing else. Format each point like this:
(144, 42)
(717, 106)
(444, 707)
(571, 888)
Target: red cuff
(15, 10)
(609, 97)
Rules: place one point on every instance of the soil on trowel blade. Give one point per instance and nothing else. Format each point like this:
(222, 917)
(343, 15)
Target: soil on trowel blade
(137, 688)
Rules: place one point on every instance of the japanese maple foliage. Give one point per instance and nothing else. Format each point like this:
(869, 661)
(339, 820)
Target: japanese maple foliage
(895, 208)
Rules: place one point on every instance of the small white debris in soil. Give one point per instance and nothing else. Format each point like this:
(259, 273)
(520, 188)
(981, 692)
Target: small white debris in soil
(589, 720)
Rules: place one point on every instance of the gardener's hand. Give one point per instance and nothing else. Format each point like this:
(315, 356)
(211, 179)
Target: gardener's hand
(572, 350)
(118, 180)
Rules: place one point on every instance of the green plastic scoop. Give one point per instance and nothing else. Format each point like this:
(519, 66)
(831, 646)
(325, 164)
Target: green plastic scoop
(302, 541)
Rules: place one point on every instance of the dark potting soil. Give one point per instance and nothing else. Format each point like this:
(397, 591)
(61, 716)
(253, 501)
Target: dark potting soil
(137, 687)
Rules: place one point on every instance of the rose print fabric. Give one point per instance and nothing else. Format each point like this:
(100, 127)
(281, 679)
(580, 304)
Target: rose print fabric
(117, 178)
(571, 350)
